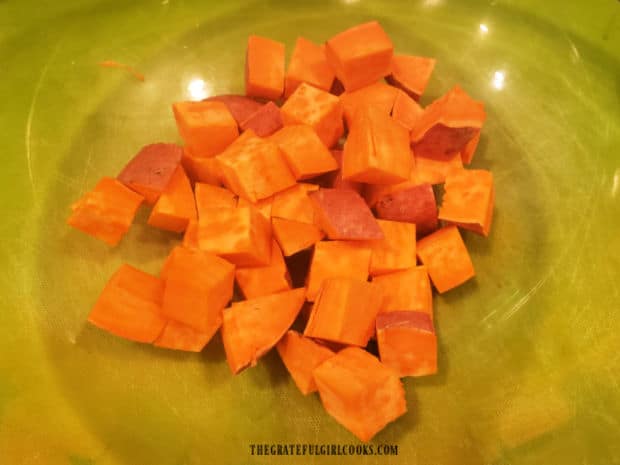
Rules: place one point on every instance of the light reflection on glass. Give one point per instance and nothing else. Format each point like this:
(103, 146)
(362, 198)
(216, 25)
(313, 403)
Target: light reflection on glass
(616, 184)
(431, 2)
(198, 89)
(498, 80)
(350, 2)
(484, 28)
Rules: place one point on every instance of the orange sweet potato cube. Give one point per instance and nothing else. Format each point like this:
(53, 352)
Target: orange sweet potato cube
(209, 196)
(411, 73)
(294, 236)
(257, 281)
(360, 55)
(294, 203)
(406, 290)
(207, 127)
(308, 64)
(179, 336)
(396, 251)
(254, 168)
(201, 169)
(337, 259)
(318, 109)
(406, 111)
(176, 205)
(345, 311)
(378, 95)
(264, 68)
(446, 258)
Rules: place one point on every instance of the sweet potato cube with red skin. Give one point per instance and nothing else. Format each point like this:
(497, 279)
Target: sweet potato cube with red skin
(179, 336)
(407, 343)
(252, 327)
(240, 106)
(265, 121)
(308, 64)
(360, 392)
(201, 169)
(337, 259)
(254, 168)
(433, 170)
(377, 150)
(468, 200)
(176, 205)
(130, 305)
(106, 212)
(301, 355)
(406, 290)
(360, 55)
(294, 203)
(345, 311)
(304, 152)
(263, 206)
(411, 73)
(378, 95)
(415, 204)
(406, 111)
(264, 68)
(209, 197)
(318, 109)
(198, 285)
(295, 236)
(207, 127)
(446, 258)
(396, 251)
(240, 235)
(467, 154)
(343, 215)
(150, 170)
(447, 124)
(258, 281)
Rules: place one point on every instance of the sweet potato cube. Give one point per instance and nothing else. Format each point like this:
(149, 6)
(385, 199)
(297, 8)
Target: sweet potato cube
(130, 305)
(406, 290)
(207, 127)
(254, 168)
(179, 336)
(343, 215)
(467, 153)
(434, 169)
(415, 204)
(263, 206)
(240, 235)
(208, 197)
(345, 311)
(337, 259)
(396, 251)
(411, 73)
(294, 203)
(360, 392)
(407, 343)
(106, 212)
(240, 106)
(198, 285)
(265, 121)
(468, 200)
(378, 95)
(201, 169)
(264, 68)
(406, 111)
(334, 179)
(308, 64)
(254, 326)
(318, 109)
(360, 55)
(176, 205)
(150, 170)
(447, 124)
(295, 236)
(301, 355)
(377, 150)
(264, 280)
(446, 258)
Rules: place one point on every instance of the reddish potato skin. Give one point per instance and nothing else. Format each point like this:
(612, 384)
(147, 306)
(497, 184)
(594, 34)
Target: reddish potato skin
(265, 121)
(240, 106)
(413, 205)
(442, 141)
(150, 170)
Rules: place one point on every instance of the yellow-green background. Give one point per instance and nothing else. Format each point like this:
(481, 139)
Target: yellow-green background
(529, 363)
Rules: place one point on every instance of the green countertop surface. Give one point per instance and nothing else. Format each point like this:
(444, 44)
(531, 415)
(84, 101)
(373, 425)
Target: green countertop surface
(529, 364)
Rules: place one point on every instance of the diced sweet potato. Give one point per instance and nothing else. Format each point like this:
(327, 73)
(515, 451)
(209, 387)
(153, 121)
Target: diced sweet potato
(301, 355)
(294, 203)
(337, 259)
(240, 106)
(258, 281)
(254, 326)
(343, 215)
(201, 169)
(264, 121)
(176, 206)
(360, 55)
(396, 251)
(208, 197)
(150, 170)
(179, 336)
(345, 311)
(407, 343)
(295, 236)
(467, 154)
(334, 178)
(264, 68)
(446, 258)
(433, 170)
(406, 111)
(308, 64)
(378, 95)
(406, 290)
(360, 392)
(415, 204)
(263, 206)
(411, 73)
